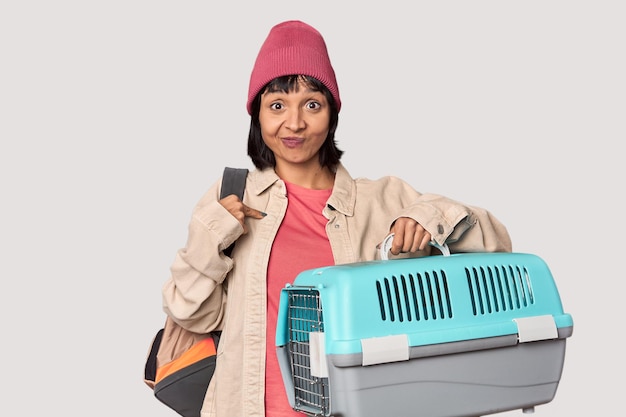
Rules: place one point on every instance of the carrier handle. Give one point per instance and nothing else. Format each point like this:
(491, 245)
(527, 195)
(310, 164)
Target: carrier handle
(386, 245)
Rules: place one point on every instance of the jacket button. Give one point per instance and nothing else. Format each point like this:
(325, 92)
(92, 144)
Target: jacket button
(440, 229)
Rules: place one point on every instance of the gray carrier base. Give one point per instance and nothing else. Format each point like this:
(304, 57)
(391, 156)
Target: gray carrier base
(460, 379)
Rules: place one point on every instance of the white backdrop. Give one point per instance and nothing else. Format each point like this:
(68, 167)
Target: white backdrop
(115, 116)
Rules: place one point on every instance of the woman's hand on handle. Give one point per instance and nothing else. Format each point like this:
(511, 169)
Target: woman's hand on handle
(409, 236)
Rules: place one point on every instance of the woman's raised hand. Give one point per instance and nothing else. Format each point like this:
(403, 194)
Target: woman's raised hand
(240, 211)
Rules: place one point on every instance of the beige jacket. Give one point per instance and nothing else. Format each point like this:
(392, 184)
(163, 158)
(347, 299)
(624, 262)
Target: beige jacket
(209, 291)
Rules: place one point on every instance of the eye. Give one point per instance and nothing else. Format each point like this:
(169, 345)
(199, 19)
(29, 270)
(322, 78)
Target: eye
(313, 105)
(276, 106)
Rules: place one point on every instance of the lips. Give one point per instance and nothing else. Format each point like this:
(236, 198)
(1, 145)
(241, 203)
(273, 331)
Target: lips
(292, 142)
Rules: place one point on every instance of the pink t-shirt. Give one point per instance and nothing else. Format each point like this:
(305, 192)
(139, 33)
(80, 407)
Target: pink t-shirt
(301, 244)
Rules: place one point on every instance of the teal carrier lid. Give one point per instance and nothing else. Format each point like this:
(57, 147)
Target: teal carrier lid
(384, 307)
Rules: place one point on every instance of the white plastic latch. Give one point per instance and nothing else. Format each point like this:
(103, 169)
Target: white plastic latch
(530, 329)
(385, 349)
(319, 366)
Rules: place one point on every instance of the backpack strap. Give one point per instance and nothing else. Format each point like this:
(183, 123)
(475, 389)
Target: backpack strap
(233, 182)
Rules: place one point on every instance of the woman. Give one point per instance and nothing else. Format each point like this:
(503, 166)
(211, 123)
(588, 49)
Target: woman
(301, 210)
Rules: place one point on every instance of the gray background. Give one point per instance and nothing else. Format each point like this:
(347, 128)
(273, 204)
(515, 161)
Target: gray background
(115, 116)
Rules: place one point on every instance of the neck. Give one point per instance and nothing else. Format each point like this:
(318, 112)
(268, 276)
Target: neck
(319, 178)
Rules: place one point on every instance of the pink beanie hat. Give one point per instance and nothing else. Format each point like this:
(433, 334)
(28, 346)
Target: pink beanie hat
(292, 47)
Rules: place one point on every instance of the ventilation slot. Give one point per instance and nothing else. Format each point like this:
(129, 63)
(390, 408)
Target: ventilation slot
(421, 296)
(494, 289)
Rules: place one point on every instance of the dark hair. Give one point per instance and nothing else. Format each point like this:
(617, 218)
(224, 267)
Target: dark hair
(261, 155)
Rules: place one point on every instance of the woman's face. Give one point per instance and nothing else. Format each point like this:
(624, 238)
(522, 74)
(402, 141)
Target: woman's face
(294, 125)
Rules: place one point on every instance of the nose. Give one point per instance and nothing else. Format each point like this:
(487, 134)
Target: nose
(294, 120)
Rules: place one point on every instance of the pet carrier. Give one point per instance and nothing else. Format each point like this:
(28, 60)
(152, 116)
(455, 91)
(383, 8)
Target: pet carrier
(439, 336)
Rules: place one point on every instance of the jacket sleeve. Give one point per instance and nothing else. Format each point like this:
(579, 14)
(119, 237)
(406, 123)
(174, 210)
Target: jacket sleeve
(195, 294)
(462, 227)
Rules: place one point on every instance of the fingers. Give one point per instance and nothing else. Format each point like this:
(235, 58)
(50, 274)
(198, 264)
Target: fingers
(239, 210)
(425, 240)
(409, 236)
(250, 212)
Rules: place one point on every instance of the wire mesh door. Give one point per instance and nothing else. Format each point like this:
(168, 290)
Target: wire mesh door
(304, 318)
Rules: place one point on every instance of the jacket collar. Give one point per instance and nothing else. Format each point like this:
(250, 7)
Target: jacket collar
(342, 199)
(261, 180)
